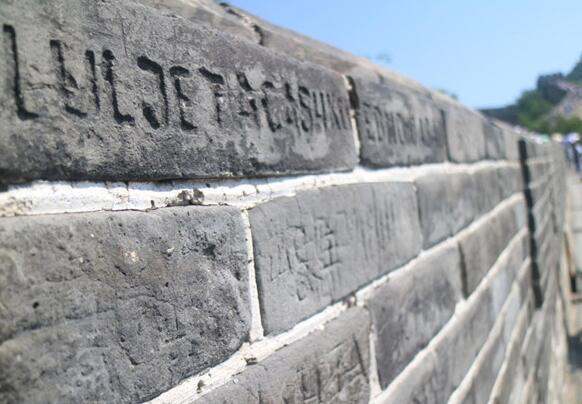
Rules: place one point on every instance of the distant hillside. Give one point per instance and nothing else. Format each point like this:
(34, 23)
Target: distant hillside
(555, 105)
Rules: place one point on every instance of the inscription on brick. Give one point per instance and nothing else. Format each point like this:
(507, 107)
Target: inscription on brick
(98, 92)
(397, 126)
(319, 246)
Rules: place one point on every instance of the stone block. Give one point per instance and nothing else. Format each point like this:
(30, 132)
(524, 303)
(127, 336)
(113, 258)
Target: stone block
(465, 137)
(397, 125)
(409, 310)
(327, 366)
(484, 379)
(113, 90)
(486, 189)
(510, 181)
(511, 143)
(481, 246)
(446, 203)
(319, 246)
(118, 307)
(425, 383)
(494, 140)
(458, 348)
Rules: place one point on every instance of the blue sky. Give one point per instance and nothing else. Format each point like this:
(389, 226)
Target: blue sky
(485, 51)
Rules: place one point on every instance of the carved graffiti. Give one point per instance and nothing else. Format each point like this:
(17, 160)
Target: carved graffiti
(392, 127)
(93, 84)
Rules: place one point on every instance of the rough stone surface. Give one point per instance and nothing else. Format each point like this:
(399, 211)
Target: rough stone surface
(481, 247)
(446, 203)
(509, 180)
(409, 310)
(425, 384)
(486, 189)
(511, 379)
(465, 137)
(118, 307)
(494, 140)
(117, 91)
(484, 378)
(397, 126)
(319, 246)
(458, 348)
(328, 366)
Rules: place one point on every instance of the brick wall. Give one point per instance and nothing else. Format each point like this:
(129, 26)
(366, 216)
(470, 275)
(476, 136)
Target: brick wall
(200, 206)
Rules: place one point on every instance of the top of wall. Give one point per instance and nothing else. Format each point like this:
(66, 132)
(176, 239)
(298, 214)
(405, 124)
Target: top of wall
(150, 90)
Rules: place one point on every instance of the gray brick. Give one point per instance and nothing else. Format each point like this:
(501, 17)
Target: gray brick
(510, 181)
(408, 311)
(446, 204)
(481, 246)
(503, 280)
(457, 350)
(511, 142)
(535, 170)
(425, 384)
(118, 307)
(465, 138)
(117, 91)
(319, 246)
(510, 381)
(486, 374)
(328, 366)
(494, 140)
(486, 189)
(397, 125)
(207, 13)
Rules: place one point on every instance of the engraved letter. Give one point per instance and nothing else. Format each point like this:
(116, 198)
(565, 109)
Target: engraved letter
(183, 100)
(149, 65)
(109, 77)
(11, 49)
(65, 78)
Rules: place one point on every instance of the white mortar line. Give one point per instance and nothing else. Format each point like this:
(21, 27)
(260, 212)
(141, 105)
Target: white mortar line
(257, 332)
(462, 306)
(373, 378)
(45, 197)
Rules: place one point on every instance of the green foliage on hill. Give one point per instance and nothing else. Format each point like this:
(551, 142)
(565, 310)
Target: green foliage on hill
(533, 109)
(575, 75)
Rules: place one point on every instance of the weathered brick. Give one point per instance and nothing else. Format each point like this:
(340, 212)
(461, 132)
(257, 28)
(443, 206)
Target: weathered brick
(446, 204)
(486, 189)
(117, 91)
(481, 246)
(410, 309)
(511, 142)
(504, 278)
(118, 307)
(458, 348)
(328, 366)
(397, 125)
(511, 379)
(510, 181)
(465, 138)
(486, 374)
(319, 246)
(425, 383)
(494, 140)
